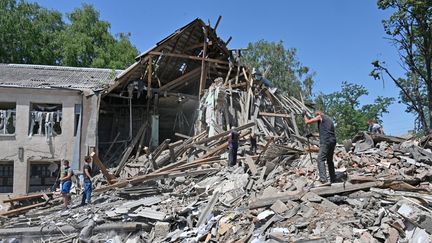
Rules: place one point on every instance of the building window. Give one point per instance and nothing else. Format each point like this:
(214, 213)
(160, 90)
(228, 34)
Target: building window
(45, 119)
(77, 118)
(6, 176)
(43, 175)
(7, 118)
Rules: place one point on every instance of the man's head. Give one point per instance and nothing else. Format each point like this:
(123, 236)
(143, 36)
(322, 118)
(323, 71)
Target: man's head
(318, 113)
(370, 122)
(66, 163)
(87, 159)
(233, 128)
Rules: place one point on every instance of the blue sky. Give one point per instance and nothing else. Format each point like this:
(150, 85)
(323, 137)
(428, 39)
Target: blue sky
(337, 39)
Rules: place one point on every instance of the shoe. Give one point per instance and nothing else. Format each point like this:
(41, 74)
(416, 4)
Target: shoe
(321, 183)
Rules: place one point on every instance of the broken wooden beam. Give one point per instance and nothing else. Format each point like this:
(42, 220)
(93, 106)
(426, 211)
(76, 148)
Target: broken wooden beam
(129, 150)
(22, 210)
(336, 188)
(224, 134)
(157, 53)
(110, 177)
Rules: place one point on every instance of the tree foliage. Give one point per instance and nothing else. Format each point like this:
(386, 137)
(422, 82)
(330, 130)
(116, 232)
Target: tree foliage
(344, 107)
(281, 66)
(410, 30)
(31, 34)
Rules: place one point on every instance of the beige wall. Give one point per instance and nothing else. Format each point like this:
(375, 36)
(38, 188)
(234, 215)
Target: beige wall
(36, 147)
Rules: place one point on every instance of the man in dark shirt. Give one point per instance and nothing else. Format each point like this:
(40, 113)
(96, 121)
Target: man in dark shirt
(327, 145)
(253, 142)
(87, 170)
(66, 181)
(233, 139)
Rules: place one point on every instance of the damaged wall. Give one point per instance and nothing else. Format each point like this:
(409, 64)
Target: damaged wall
(36, 148)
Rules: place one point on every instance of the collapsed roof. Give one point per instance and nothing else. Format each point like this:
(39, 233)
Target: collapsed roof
(176, 61)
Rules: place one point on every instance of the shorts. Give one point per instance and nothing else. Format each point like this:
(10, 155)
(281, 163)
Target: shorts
(66, 187)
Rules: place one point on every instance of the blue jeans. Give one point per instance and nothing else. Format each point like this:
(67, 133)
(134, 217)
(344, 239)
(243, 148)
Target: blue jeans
(87, 193)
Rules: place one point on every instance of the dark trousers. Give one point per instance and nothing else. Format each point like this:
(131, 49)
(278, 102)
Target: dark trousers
(87, 193)
(232, 155)
(326, 155)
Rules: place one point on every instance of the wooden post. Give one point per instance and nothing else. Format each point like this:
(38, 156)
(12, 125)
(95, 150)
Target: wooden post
(102, 167)
(203, 65)
(149, 77)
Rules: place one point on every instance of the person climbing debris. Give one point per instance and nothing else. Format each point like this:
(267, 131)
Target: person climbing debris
(327, 146)
(233, 139)
(375, 128)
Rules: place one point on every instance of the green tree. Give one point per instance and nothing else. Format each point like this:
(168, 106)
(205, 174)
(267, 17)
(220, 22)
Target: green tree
(281, 66)
(29, 33)
(344, 107)
(410, 30)
(87, 42)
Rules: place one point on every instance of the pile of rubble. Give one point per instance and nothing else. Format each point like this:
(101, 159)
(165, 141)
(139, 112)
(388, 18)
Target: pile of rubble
(386, 198)
(183, 191)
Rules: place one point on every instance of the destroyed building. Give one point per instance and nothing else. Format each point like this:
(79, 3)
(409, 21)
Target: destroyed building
(161, 182)
(47, 113)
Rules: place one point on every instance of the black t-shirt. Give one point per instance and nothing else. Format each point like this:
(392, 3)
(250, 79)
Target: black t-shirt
(88, 167)
(326, 130)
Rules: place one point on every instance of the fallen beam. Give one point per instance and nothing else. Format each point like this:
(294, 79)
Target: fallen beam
(274, 114)
(110, 177)
(27, 197)
(22, 210)
(37, 232)
(336, 188)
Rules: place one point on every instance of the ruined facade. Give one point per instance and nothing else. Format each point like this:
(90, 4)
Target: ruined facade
(46, 115)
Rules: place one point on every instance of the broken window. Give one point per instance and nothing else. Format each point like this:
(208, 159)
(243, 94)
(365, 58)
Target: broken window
(6, 176)
(43, 174)
(45, 119)
(7, 118)
(77, 118)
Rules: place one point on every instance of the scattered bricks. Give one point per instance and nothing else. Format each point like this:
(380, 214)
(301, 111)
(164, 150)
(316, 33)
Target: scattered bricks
(161, 230)
(279, 207)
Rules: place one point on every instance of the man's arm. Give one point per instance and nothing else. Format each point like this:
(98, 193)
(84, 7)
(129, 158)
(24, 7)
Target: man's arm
(66, 177)
(87, 173)
(312, 120)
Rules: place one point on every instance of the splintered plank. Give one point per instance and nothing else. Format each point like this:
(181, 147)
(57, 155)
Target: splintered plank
(21, 210)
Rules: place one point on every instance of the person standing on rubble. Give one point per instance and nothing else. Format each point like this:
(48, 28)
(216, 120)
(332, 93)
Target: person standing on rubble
(233, 139)
(253, 142)
(87, 172)
(375, 128)
(66, 181)
(327, 145)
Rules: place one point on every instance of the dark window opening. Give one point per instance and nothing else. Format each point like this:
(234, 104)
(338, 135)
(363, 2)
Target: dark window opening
(45, 119)
(77, 118)
(6, 176)
(43, 175)
(7, 118)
